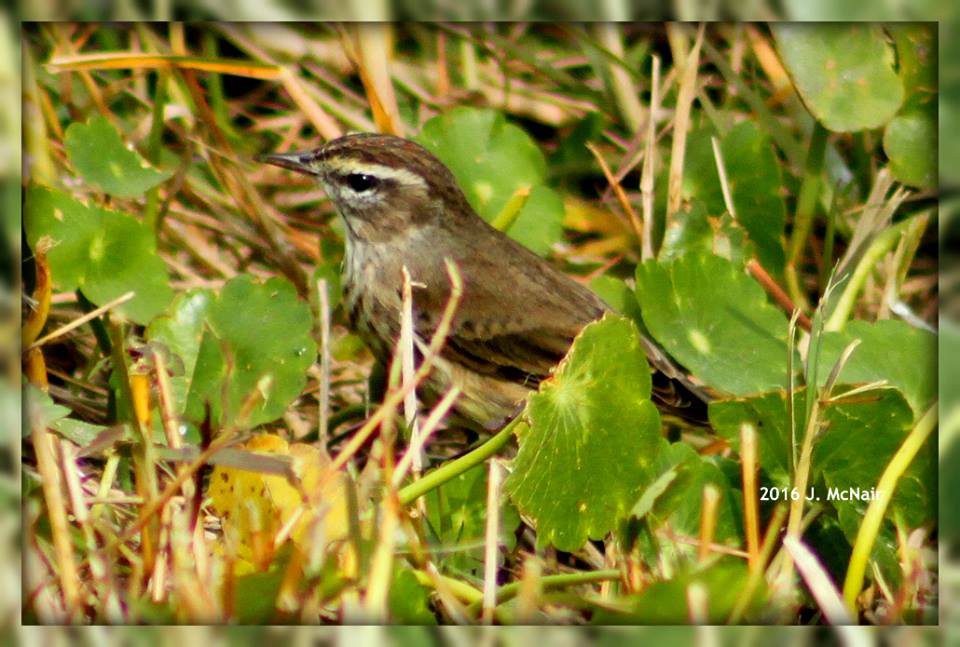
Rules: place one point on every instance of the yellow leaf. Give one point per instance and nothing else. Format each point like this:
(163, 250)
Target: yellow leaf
(259, 511)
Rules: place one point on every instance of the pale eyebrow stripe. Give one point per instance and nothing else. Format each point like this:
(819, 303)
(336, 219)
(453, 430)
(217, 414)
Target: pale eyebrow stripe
(401, 175)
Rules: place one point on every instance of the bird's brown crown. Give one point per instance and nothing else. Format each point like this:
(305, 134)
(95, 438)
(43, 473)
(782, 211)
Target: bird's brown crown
(382, 178)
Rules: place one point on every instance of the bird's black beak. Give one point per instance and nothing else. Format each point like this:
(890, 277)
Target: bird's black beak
(299, 162)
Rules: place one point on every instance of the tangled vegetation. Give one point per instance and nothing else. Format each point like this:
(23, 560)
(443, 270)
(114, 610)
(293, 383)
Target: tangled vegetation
(204, 442)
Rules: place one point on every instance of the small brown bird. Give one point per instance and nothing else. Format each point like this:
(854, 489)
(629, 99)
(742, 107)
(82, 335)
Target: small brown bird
(518, 314)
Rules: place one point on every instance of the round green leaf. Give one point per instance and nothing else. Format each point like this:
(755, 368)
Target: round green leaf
(767, 413)
(255, 595)
(853, 447)
(753, 174)
(493, 160)
(180, 328)
(255, 331)
(891, 350)
(910, 141)
(716, 321)
(755, 183)
(679, 506)
(844, 73)
(916, 59)
(694, 231)
(618, 295)
(540, 222)
(104, 253)
(594, 437)
(100, 156)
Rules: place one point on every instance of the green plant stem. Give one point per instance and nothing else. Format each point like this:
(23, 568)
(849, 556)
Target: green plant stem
(756, 575)
(801, 477)
(99, 331)
(154, 140)
(870, 526)
(880, 246)
(144, 461)
(509, 591)
(511, 211)
(806, 206)
(826, 261)
(454, 468)
(458, 587)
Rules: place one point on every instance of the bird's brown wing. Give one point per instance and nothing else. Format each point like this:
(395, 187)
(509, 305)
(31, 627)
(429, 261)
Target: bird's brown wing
(516, 319)
(524, 358)
(519, 321)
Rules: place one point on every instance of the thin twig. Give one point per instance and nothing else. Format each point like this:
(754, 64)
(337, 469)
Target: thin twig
(708, 519)
(323, 404)
(778, 293)
(408, 369)
(649, 164)
(681, 123)
(431, 424)
(79, 321)
(818, 581)
(395, 397)
(57, 514)
(621, 194)
(751, 508)
(491, 544)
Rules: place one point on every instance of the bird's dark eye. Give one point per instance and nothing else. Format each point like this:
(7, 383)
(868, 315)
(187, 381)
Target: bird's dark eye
(361, 182)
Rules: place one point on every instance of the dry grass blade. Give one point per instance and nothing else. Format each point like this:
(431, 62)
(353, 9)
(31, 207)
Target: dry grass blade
(757, 576)
(369, 46)
(649, 162)
(431, 424)
(395, 397)
(324, 124)
(876, 214)
(491, 541)
(226, 437)
(681, 120)
(375, 607)
(708, 520)
(405, 350)
(44, 445)
(801, 477)
(79, 321)
(698, 604)
(134, 61)
(41, 297)
(287, 75)
(778, 293)
(749, 467)
(609, 35)
(621, 194)
(724, 183)
(818, 581)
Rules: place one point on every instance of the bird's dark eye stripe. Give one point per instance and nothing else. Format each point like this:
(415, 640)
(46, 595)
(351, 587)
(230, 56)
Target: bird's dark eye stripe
(360, 182)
